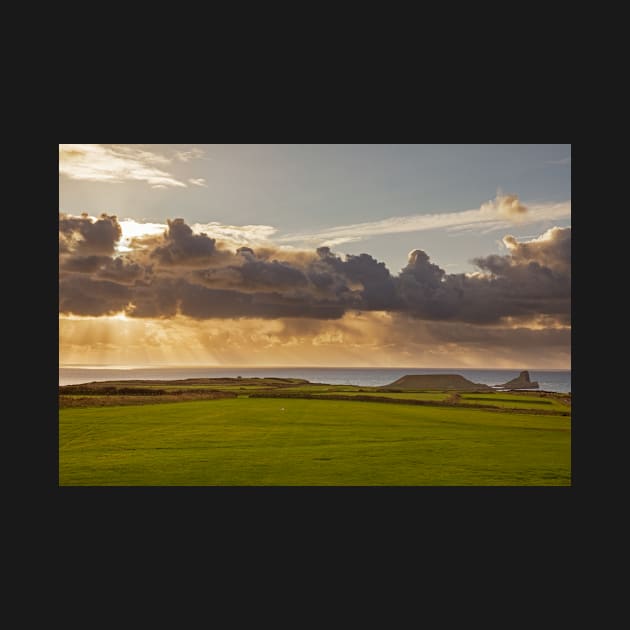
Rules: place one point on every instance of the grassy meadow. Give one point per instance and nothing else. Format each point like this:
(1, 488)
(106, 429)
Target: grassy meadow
(293, 441)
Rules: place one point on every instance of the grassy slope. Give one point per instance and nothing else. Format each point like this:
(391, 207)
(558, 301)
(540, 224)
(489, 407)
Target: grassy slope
(313, 442)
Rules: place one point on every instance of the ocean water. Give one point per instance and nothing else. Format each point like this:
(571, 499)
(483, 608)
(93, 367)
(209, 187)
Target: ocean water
(549, 380)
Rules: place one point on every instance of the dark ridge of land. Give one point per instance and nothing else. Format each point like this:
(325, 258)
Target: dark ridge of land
(267, 380)
(112, 390)
(113, 399)
(146, 391)
(142, 392)
(439, 382)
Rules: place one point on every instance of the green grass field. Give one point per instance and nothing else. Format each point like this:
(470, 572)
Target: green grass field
(249, 442)
(517, 401)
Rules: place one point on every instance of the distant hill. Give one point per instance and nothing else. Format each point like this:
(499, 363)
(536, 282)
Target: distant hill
(438, 381)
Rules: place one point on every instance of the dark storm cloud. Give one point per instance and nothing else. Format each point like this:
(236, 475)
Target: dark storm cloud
(84, 264)
(378, 287)
(246, 252)
(197, 276)
(204, 303)
(103, 267)
(272, 274)
(423, 271)
(121, 270)
(182, 247)
(533, 279)
(86, 236)
(82, 295)
(156, 298)
(255, 274)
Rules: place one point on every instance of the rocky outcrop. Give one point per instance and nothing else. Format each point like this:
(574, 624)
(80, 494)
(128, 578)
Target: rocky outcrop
(521, 382)
(439, 382)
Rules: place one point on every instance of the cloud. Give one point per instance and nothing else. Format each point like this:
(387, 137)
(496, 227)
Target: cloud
(200, 181)
(87, 235)
(552, 249)
(85, 295)
(199, 275)
(254, 274)
(138, 235)
(507, 206)
(533, 279)
(132, 230)
(204, 303)
(378, 290)
(187, 156)
(103, 267)
(237, 235)
(499, 213)
(115, 164)
(182, 247)
(332, 242)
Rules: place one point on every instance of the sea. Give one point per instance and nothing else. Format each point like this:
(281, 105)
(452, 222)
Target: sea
(549, 380)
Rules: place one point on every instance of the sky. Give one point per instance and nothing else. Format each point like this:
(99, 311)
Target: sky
(327, 255)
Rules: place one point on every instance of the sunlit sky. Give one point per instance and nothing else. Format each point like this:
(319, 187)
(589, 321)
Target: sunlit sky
(489, 288)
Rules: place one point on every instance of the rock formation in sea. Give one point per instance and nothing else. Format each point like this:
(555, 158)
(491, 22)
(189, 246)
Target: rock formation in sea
(521, 382)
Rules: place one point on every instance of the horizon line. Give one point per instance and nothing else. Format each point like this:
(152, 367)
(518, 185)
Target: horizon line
(93, 366)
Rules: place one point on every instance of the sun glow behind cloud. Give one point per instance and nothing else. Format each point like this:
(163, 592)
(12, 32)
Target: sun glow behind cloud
(376, 339)
(246, 295)
(233, 235)
(132, 229)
